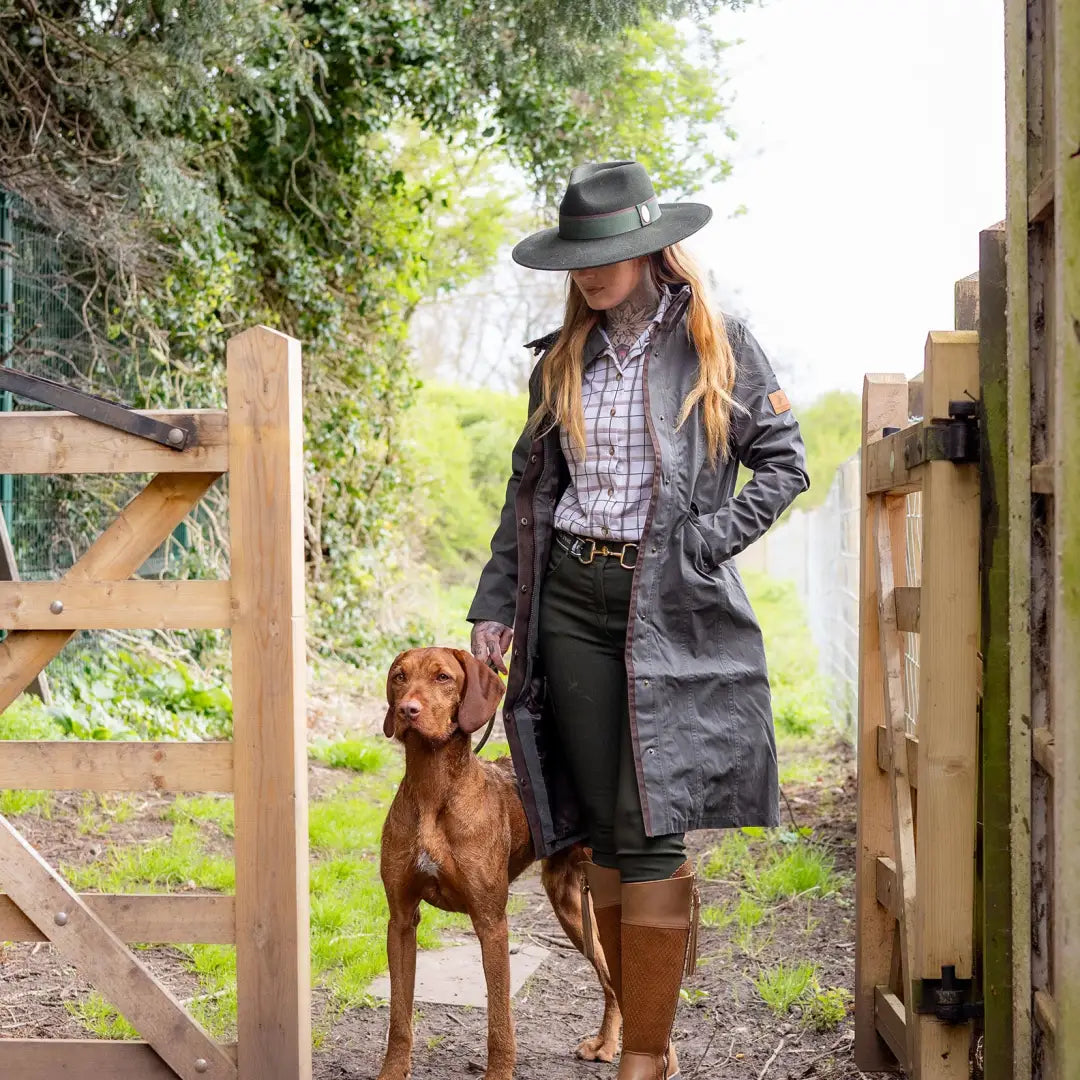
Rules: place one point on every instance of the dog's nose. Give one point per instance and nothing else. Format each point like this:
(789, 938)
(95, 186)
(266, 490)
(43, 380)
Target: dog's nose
(410, 708)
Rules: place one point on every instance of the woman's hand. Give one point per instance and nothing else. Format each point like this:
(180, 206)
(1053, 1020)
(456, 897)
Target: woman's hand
(490, 640)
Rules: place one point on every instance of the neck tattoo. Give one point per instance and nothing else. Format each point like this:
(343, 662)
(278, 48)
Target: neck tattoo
(626, 321)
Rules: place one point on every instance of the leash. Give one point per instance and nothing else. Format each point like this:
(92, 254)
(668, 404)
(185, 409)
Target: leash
(487, 733)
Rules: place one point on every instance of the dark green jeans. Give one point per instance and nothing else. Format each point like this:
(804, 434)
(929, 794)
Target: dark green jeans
(583, 617)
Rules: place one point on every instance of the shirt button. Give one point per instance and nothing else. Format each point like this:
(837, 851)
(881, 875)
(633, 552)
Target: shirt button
(618, 376)
(606, 531)
(613, 413)
(611, 450)
(611, 491)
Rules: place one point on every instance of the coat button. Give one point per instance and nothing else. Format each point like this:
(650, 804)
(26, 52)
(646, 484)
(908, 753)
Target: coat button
(524, 588)
(524, 521)
(533, 458)
(644, 682)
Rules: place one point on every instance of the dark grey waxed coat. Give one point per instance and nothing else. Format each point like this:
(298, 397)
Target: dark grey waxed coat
(700, 709)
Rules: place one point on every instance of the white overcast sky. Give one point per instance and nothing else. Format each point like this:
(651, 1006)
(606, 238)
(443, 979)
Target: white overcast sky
(871, 151)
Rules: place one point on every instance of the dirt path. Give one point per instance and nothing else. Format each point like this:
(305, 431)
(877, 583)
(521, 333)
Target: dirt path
(724, 1029)
(728, 1032)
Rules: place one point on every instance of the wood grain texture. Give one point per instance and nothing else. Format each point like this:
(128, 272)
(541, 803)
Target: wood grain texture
(884, 469)
(1017, 330)
(889, 551)
(142, 919)
(948, 710)
(884, 754)
(116, 766)
(115, 605)
(885, 400)
(891, 1023)
(887, 890)
(1066, 630)
(116, 554)
(83, 940)
(908, 599)
(85, 1059)
(266, 512)
(61, 442)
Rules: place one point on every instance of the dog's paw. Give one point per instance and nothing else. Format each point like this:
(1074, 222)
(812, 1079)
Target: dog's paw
(597, 1049)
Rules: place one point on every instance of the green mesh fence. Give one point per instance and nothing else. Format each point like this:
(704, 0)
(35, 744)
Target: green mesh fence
(48, 327)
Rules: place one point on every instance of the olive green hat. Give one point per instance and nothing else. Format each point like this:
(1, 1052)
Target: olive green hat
(609, 213)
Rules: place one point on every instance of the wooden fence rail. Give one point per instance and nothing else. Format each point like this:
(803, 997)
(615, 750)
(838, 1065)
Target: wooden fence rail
(258, 441)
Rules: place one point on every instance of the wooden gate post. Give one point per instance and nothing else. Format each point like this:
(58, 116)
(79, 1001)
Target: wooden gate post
(268, 658)
(885, 399)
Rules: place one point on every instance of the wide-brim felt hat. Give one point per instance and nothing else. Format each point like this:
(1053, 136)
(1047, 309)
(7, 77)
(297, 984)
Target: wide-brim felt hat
(609, 213)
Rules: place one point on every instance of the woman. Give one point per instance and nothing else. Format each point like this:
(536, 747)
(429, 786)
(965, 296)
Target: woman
(638, 703)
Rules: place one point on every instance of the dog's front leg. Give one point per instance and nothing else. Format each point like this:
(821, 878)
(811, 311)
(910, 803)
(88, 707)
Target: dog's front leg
(401, 960)
(495, 948)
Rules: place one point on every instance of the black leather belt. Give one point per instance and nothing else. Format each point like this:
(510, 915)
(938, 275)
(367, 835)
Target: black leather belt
(585, 549)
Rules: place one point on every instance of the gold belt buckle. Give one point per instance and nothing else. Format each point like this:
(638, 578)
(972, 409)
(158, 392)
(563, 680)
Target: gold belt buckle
(622, 556)
(592, 553)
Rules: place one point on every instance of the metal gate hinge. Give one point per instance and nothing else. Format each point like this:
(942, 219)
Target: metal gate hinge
(955, 439)
(947, 998)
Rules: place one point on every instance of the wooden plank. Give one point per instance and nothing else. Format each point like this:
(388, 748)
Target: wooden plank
(1042, 749)
(86, 1059)
(948, 711)
(966, 303)
(907, 608)
(116, 766)
(1041, 200)
(886, 885)
(266, 514)
(1019, 511)
(884, 754)
(994, 893)
(889, 522)
(884, 404)
(9, 571)
(82, 939)
(1066, 603)
(891, 1024)
(61, 442)
(189, 919)
(1046, 1014)
(116, 554)
(115, 605)
(883, 466)
(915, 396)
(1042, 478)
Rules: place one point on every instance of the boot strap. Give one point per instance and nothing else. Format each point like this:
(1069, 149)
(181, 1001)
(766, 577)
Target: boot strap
(587, 946)
(691, 941)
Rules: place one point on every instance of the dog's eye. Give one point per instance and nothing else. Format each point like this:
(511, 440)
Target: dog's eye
(399, 676)
(442, 677)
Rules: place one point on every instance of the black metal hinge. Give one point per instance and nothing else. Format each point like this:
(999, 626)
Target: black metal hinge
(949, 999)
(955, 439)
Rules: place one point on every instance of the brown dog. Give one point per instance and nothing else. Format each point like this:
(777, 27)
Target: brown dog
(456, 836)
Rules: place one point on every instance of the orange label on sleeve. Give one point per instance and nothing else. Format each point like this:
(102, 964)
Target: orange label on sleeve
(780, 403)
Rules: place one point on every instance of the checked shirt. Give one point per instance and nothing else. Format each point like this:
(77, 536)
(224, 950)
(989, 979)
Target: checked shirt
(610, 487)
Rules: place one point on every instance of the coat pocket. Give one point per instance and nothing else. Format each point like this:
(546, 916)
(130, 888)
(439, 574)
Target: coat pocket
(696, 543)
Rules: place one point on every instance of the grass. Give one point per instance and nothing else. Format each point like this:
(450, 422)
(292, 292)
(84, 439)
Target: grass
(16, 801)
(201, 809)
(362, 755)
(782, 986)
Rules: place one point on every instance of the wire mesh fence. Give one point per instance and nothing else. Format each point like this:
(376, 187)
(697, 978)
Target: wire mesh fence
(819, 551)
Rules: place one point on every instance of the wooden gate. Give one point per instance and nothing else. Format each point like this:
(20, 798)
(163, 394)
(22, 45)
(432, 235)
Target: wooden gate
(918, 696)
(258, 442)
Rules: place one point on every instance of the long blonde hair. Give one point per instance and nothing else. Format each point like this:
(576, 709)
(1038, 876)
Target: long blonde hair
(560, 377)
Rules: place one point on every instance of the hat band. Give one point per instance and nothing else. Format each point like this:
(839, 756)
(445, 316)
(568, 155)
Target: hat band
(598, 226)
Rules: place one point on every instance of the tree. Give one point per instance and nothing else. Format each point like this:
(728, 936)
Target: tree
(220, 162)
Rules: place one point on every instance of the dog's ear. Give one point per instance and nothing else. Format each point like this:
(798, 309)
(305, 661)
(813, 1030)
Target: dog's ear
(389, 726)
(480, 695)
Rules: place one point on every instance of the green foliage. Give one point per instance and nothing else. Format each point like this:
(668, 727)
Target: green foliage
(120, 694)
(826, 1008)
(799, 699)
(320, 168)
(100, 1018)
(462, 441)
(831, 427)
(15, 801)
(198, 809)
(26, 718)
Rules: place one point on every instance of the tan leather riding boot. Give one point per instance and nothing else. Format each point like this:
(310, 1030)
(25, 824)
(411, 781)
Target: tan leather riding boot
(659, 943)
(604, 886)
